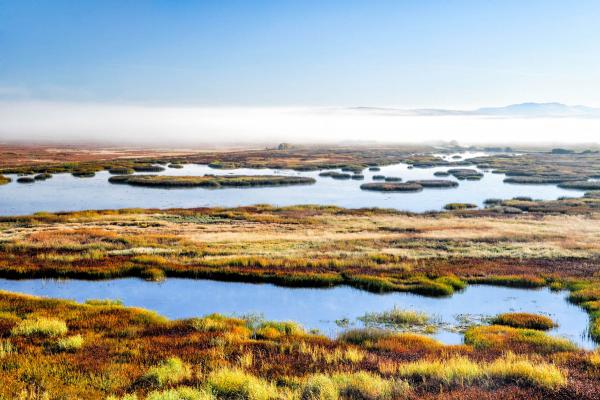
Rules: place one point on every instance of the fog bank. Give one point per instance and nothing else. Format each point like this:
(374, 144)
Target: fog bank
(167, 125)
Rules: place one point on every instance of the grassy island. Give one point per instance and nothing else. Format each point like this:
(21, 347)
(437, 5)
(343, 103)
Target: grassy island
(210, 181)
(392, 187)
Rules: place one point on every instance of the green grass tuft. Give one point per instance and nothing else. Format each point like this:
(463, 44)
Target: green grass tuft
(40, 326)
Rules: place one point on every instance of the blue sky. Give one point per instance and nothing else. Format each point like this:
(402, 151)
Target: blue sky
(458, 54)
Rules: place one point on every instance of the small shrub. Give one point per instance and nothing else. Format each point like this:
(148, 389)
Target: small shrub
(364, 385)
(170, 371)
(220, 323)
(319, 387)
(524, 320)
(181, 393)
(236, 384)
(40, 326)
(273, 330)
(70, 344)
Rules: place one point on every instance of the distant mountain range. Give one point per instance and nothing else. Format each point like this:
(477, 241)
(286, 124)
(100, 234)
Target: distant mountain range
(523, 110)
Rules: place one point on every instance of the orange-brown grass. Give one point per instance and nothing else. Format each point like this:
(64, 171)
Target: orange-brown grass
(522, 340)
(525, 320)
(112, 350)
(376, 250)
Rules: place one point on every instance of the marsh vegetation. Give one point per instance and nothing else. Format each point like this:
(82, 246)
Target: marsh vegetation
(101, 349)
(141, 355)
(210, 181)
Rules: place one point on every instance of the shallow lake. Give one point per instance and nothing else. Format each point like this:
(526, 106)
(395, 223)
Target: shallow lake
(63, 192)
(313, 308)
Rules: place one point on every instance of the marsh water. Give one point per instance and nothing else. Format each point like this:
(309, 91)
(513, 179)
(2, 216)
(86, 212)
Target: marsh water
(63, 192)
(314, 308)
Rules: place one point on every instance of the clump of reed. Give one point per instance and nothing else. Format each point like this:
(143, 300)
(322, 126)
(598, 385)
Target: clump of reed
(357, 385)
(401, 319)
(218, 323)
(4, 179)
(153, 274)
(231, 383)
(365, 385)
(170, 371)
(587, 295)
(461, 371)
(70, 343)
(40, 326)
(524, 320)
(273, 330)
(459, 206)
(498, 337)
(407, 342)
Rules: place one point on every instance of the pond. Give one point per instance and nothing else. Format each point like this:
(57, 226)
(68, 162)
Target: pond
(314, 308)
(63, 192)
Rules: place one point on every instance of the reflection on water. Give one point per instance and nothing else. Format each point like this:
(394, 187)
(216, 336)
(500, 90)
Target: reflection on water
(313, 308)
(64, 192)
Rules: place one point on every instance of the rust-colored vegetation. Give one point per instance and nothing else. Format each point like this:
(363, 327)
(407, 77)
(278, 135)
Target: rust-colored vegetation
(101, 350)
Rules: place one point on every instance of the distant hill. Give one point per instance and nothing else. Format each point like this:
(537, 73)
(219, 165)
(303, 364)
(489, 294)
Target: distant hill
(523, 110)
(540, 110)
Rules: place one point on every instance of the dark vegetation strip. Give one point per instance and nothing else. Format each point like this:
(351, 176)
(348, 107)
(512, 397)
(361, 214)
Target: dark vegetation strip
(210, 181)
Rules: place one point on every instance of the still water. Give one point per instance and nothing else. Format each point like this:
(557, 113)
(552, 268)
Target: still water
(313, 308)
(63, 192)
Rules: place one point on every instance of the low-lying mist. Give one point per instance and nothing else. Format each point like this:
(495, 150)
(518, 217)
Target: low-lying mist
(194, 125)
